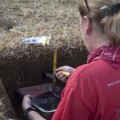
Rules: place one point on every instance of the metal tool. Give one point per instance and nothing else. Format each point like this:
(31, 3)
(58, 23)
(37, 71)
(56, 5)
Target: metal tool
(51, 76)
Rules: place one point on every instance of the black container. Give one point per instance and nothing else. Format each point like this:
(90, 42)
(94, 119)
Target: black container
(47, 102)
(46, 98)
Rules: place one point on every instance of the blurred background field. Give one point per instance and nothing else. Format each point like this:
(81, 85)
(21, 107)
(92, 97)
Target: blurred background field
(29, 18)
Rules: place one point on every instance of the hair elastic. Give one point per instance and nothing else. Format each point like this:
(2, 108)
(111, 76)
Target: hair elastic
(115, 8)
(110, 11)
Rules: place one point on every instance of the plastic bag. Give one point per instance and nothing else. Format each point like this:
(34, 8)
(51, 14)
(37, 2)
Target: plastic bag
(44, 40)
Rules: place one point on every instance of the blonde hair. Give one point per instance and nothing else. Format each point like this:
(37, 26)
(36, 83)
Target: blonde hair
(100, 12)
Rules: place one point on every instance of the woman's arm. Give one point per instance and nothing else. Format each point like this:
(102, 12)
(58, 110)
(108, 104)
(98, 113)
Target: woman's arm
(32, 115)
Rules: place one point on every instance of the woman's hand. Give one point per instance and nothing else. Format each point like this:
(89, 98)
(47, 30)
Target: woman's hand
(60, 70)
(26, 103)
(32, 115)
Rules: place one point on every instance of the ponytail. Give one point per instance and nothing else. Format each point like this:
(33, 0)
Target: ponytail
(112, 28)
(106, 14)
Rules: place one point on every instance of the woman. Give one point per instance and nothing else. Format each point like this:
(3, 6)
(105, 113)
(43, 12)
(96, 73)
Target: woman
(92, 91)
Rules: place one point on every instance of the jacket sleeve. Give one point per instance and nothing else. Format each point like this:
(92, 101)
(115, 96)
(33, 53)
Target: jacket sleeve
(77, 100)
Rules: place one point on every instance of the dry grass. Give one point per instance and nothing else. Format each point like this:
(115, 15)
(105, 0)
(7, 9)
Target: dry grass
(2, 106)
(3, 111)
(38, 18)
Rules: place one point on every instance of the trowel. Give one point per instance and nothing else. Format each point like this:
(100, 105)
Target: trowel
(51, 76)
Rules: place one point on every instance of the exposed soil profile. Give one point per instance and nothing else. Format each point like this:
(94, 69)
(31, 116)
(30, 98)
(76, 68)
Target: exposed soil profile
(18, 73)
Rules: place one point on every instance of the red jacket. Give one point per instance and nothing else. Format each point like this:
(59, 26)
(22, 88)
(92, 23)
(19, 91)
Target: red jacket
(93, 90)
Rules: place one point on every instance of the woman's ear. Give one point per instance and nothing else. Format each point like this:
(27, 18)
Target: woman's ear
(87, 25)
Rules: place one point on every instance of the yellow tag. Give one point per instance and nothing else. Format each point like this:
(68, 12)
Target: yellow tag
(46, 40)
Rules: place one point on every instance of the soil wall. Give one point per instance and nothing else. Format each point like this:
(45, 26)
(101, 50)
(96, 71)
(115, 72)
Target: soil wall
(17, 73)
